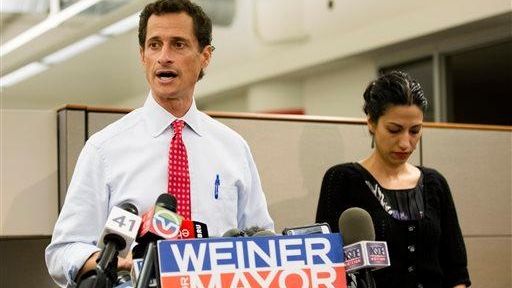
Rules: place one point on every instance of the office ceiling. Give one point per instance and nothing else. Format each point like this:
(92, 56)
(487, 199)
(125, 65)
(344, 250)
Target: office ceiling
(256, 40)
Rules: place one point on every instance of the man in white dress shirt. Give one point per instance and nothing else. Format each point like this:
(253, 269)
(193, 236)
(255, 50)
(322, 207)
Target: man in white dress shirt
(128, 160)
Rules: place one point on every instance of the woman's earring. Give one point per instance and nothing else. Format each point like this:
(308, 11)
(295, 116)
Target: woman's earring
(373, 141)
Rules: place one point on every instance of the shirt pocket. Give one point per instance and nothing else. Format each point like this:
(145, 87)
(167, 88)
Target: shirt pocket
(226, 206)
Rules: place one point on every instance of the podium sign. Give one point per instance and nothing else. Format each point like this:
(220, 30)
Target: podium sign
(277, 261)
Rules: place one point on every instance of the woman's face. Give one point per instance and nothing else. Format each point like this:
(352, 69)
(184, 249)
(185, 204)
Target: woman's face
(397, 132)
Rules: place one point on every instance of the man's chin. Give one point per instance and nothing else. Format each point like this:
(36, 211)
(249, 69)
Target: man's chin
(165, 95)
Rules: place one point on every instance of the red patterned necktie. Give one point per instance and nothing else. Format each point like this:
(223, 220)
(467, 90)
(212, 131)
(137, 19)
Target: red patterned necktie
(179, 179)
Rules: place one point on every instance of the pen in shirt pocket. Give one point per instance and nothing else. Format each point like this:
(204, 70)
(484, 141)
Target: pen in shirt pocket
(216, 189)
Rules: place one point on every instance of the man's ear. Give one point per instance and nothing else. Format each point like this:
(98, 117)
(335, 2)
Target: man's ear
(141, 53)
(206, 56)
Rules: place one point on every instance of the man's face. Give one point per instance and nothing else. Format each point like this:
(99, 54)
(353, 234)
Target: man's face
(172, 58)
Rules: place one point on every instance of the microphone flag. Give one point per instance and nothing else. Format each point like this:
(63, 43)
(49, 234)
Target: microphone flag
(274, 261)
(366, 254)
(122, 223)
(161, 222)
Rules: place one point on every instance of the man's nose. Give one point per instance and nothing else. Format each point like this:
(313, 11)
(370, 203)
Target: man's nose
(166, 56)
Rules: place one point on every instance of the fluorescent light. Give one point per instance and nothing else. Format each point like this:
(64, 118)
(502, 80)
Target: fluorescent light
(21, 74)
(49, 23)
(121, 26)
(74, 49)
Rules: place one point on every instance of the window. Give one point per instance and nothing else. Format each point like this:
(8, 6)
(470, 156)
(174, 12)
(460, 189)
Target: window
(478, 85)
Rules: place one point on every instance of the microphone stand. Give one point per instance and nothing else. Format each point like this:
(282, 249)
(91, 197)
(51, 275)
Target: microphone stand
(149, 265)
(365, 280)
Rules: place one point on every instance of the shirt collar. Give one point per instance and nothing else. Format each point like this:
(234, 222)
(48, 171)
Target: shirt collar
(159, 119)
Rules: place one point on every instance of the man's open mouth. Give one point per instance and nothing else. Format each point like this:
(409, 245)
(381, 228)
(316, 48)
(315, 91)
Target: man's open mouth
(166, 75)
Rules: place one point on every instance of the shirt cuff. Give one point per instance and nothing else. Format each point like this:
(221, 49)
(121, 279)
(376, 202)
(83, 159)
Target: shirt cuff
(81, 252)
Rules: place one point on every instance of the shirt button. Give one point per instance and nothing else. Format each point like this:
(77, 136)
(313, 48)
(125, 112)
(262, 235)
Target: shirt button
(411, 248)
(411, 228)
(410, 268)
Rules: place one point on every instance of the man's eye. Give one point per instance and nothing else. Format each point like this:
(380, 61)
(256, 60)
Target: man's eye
(179, 45)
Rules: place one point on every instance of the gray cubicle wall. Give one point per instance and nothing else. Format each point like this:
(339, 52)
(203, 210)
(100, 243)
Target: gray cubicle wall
(292, 155)
(478, 165)
(293, 152)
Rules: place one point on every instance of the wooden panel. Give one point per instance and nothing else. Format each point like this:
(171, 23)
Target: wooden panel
(477, 165)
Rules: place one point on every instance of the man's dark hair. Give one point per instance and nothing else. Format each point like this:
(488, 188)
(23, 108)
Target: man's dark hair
(202, 23)
(390, 89)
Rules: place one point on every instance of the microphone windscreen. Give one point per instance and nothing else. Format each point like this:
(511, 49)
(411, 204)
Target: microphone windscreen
(129, 207)
(253, 230)
(356, 225)
(264, 233)
(167, 201)
(138, 251)
(235, 232)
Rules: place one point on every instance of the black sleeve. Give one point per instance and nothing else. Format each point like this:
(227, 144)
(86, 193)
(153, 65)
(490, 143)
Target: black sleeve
(332, 201)
(452, 255)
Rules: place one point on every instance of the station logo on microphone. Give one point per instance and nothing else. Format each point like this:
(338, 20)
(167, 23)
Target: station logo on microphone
(166, 223)
(253, 262)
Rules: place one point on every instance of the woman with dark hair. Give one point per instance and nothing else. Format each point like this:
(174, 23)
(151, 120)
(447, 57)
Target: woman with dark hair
(411, 207)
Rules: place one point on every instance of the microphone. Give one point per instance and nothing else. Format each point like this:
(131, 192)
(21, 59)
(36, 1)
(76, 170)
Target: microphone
(254, 231)
(161, 222)
(356, 225)
(234, 232)
(317, 228)
(116, 238)
(121, 228)
(201, 229)
(362, 252)
(264, 233)
(249, 232)
(193, 229)
(187, 230)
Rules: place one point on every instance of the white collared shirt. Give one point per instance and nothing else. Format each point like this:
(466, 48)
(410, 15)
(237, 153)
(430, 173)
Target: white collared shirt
(127, 162)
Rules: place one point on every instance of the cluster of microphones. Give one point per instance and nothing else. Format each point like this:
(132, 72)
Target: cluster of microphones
(362, 253)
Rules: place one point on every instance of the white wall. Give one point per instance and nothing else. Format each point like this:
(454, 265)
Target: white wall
(351, 28)
(339, 92)
(28, 183)
(275, 95)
